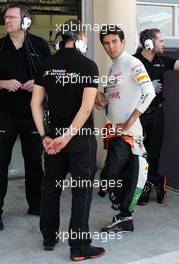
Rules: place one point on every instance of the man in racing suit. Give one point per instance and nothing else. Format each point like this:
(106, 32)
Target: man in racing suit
(128, 94)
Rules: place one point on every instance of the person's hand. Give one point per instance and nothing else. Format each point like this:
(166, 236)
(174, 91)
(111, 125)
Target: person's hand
(11, 85)
(157, 86)
(100, 101)
(47, 144)
(58, 144)
(121, 128)
(28, 86)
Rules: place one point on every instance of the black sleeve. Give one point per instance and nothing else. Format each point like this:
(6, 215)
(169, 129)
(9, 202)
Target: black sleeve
(168, 62)
(39, 80)
(92, 75)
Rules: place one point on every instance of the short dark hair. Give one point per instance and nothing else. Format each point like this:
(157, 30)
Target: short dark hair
(24, 10)
(148, 34)
(111, 29)
(70, 30)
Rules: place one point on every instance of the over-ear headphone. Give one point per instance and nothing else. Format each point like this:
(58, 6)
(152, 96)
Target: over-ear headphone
(26, 20)
(58, 43)
(147, 41)
(26, 23)
(80, 45)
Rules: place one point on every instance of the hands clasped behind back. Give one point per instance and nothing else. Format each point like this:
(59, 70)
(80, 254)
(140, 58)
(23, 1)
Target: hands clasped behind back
(54, 146)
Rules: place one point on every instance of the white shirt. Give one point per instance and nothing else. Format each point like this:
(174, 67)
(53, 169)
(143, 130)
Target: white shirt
(129, 88)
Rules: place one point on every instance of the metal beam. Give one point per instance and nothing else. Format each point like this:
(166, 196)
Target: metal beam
(43, 4)
(50, 3)
(55, 12)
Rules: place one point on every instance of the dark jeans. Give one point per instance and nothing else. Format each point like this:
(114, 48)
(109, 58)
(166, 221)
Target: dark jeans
(153, 126)
(10, 127)
(78, 157)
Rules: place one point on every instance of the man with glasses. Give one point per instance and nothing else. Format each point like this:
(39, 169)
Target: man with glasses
(21, 54)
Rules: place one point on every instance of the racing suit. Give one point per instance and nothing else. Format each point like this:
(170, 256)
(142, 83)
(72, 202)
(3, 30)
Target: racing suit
(129, 88)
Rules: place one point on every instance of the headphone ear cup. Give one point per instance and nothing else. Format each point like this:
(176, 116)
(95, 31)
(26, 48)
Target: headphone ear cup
(81, 46)
(26, 23)
(59, 45)
(148, 44)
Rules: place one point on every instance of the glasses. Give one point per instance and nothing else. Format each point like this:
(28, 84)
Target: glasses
(11, 17)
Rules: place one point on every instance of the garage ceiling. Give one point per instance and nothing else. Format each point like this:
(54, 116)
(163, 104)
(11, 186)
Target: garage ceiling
(63, 7)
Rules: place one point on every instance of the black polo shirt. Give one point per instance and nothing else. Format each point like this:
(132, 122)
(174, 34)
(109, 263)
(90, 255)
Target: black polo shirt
(156, 69)
(65, 75)
(20, 64)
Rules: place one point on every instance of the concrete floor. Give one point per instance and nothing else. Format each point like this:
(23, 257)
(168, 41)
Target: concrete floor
(154, 241)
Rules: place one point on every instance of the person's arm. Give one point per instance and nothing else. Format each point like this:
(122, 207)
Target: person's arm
(81, 117)
(123, 127)
(147, 89)
(10, 85)
(142, 78)
(176, 65)
(38, 96)
(100, 100)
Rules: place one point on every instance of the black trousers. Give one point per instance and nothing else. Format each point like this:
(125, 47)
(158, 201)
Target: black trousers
(153, 126)
(78, 157)
(121, 169)
(10, 127)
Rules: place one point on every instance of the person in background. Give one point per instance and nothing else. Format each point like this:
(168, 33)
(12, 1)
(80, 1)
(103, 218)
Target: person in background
(151, 55)
(20, 55)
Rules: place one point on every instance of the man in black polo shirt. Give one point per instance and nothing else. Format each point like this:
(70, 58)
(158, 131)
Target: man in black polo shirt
(70, 81)
(20, 55)
(153, 119)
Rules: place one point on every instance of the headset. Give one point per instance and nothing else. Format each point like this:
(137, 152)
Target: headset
(80, 45)
(26, 20)
(148, 42)
(26, 23)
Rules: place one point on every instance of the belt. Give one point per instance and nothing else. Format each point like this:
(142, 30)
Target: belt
(153, 109)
